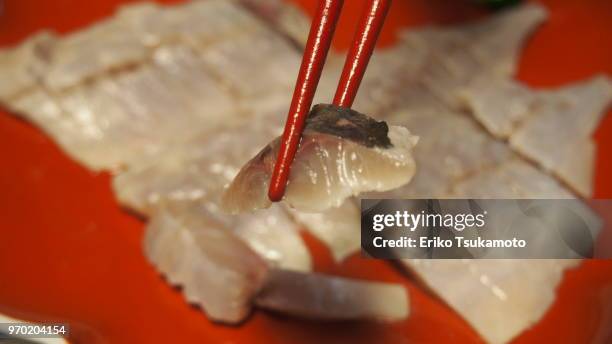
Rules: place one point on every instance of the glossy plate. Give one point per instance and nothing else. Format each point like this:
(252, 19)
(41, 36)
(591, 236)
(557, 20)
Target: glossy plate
(68, 253)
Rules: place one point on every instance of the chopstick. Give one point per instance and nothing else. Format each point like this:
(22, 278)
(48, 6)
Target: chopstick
(357, 59)
(319, 40)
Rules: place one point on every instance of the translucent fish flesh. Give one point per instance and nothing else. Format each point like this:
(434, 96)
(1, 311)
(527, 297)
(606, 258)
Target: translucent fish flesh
(553, 128)
(338, 228)
(333, 298)
(216, 270)
(342, 153)
(220, 273)
(499, 298)
(122, 89)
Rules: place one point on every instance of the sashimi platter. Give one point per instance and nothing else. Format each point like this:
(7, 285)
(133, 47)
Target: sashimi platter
(139, 139)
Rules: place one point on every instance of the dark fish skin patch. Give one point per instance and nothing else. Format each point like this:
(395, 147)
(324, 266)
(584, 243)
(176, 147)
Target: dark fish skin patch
(348, 124)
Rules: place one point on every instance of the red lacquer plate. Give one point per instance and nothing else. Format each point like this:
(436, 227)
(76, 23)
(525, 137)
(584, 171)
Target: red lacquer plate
(68, 253)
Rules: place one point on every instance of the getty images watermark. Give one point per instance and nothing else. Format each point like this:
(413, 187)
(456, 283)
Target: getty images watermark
(467, 228)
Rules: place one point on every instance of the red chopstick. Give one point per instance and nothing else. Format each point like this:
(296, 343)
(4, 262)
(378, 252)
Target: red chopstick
(315, 52)
(357, 59)
(317, 46)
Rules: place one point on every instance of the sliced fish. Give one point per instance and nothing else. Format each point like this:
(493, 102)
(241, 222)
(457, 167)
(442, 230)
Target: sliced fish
(342, 153)
(333, 298)
(216, 270)
(552, 128)
(500, 298)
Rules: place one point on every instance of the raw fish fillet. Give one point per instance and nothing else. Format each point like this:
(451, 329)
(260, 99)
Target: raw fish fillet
(342, 153)
(333, 298)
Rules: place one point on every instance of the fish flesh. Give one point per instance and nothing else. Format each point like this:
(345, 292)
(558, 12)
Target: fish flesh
(499, 297)
(196, 173)
(220, 273)
(339, 227)
(167, 73)
(333, 298)
(457, 159)
(216, 270)
(538, 123)
(342, 153)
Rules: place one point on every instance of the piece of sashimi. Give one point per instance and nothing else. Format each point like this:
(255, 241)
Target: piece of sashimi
(333, 298)
(499, 104)
(337, 227)
(500, 298)
(441, 59)
(116, 119)
(275, 236)
(552, 127)
(216, 270)
(129, 37)
(342, 153)
(559, 139)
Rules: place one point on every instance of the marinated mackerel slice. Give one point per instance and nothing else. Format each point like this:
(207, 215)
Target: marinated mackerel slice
(342, 153)
(553, 128)
(332, 298)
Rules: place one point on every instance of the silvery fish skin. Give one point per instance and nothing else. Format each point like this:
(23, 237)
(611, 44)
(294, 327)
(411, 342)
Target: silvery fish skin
(342, 153)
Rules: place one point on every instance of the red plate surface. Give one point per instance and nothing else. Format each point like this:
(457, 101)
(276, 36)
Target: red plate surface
(68, 253)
